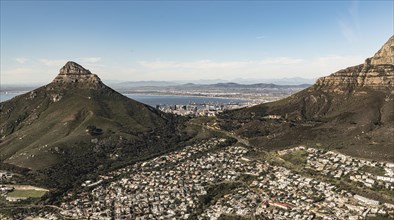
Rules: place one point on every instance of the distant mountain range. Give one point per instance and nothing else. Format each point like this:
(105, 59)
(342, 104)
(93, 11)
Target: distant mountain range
(292, 81)
(279, 83)
(161, 85)
(232, 85)
(237, 85)
(284, 81)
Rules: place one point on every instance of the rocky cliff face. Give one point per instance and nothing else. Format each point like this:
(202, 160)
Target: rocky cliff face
(385, 55)
(376, 72)
(73, 74)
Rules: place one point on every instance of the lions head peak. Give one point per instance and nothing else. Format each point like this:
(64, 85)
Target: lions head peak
(73, 68)
(74, 75)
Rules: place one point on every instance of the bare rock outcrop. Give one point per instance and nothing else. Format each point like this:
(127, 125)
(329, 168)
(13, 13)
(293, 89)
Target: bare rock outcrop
(385, 55)
(376, 72)
(73, 74)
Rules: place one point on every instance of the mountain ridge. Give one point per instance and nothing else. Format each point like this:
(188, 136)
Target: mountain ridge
(77, 126)
(351, 110)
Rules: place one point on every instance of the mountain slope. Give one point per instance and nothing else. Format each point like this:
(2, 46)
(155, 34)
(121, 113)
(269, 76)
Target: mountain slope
(79, 121)
(351, 110)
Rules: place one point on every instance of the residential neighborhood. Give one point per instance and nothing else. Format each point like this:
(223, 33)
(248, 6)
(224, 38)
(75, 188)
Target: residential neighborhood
(182, 184)
(372, 174)
(205, 109)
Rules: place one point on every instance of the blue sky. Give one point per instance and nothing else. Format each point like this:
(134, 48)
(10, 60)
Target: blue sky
(189, 40)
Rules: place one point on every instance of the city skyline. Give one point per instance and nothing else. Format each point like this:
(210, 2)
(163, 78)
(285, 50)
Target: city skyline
(172, 40)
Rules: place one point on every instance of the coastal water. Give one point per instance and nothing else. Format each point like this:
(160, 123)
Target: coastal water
(154, 100)
(4, 96)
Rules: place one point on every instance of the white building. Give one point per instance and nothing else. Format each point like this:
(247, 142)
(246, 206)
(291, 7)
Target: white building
(366, 200)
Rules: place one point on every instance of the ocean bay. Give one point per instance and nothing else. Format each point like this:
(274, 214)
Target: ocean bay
(154, 100)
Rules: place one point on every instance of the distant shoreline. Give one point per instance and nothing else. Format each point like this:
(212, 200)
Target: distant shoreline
(5, 95)
(187, 95)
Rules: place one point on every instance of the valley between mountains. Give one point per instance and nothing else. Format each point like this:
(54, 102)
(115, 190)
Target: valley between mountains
(77, 149)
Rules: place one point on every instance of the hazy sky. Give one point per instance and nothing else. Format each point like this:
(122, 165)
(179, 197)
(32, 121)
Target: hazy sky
(178, 40)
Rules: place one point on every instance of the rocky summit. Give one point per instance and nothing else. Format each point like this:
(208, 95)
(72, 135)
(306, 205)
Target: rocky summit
(376, 72)
(73, 74)
(385, 56)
